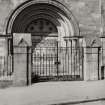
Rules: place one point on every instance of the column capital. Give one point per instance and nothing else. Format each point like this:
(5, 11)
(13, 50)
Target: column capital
(73, 37)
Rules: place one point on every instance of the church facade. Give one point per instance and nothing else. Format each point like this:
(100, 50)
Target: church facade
(51, 40)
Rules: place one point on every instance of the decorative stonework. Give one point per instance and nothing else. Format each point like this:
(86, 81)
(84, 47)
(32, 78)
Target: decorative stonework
(17, 37)
(62, 21)
(41, 26)
(57, 13)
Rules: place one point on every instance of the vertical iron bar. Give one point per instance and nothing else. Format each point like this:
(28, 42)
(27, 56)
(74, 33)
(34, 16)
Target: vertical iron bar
(68, 61)
(63, 61)
(71, 58)
(31, 62)
(27, 73)
(57, 60)
(98, 63)
(37, 57)
(35, 65)
(74, 62)
(54, 61)
(79, 61)
(40, 61)
(49, 61)
(43, 64)
(83, 63)
(46, 60)
(4, 65)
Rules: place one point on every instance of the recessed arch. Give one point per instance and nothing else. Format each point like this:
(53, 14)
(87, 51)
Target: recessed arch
(55, 11)
(47, 46)
(41, 25)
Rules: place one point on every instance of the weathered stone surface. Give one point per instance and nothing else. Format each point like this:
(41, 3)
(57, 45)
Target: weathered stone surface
(86, 12)
(20, 69)
(21, 60)
(103, 15)
(22, 38)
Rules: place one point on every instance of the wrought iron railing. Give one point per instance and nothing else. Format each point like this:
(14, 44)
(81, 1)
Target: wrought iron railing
(64, 63)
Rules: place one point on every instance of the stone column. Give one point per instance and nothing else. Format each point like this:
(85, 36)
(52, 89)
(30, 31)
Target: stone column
(21, 59)
(3, 56)
(71, 43)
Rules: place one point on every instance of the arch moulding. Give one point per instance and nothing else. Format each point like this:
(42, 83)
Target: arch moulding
(63, 15)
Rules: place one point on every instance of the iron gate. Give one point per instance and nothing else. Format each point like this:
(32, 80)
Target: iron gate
(57, 64)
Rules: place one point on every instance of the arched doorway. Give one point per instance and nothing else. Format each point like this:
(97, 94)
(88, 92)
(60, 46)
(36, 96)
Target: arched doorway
(44, 49)
(56, 53)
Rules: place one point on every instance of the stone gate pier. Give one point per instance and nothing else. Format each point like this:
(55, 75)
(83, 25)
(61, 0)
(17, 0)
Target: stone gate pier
(21, 59)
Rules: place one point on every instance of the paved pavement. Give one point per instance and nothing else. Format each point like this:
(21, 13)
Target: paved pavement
(93, 103)
(54, 93)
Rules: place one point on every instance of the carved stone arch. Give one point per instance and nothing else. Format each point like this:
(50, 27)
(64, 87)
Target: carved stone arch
(57, 14)
(61, 10)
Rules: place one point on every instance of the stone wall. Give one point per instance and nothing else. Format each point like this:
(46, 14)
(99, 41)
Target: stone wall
(86, 12)
(103, 16)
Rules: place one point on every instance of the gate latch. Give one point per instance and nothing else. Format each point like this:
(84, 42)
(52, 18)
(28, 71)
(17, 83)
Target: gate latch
(57, 62)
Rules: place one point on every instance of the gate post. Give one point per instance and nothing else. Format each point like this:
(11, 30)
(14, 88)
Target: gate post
(21, 59)
(85, 68)
(102, 72)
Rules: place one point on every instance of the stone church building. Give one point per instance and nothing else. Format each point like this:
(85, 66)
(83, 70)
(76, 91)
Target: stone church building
(51, 40)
